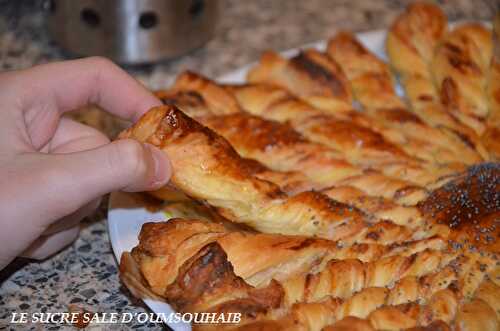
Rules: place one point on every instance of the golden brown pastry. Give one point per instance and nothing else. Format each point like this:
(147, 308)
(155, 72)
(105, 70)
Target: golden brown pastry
(279, 147)
(380, 207)
(274, 144)
(419, 283)
(491, 136)
(310, 75)
(368, 76)
(411, 42)
(207, 168)
(199, 266)
(469, 204)
(314, 216)
(202, 266)
(319, 164)
(459, 67)
(187, 95)
(359, 144)
(208, 95)
(178, 240)
(263, 141)
(290, 182)
(397, 125)
(338, 133)
(371, 151)
(371, 80)
(323, 279)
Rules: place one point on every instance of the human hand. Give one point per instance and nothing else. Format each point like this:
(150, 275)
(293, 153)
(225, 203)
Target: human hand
(53, 170)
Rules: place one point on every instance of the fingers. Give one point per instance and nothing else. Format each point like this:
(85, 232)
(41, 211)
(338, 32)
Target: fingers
(71, 136)
(39, 188)
(73, 219)
(72, 180)
(68, 85)
(45, 246)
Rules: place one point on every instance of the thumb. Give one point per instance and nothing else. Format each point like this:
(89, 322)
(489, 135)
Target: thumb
(121, 165)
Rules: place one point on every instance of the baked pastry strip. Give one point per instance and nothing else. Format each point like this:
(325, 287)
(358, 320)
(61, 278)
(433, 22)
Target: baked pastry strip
(372, 80)
(306, 78)
(276, 145)
(491, 136)
(207, 168)
(269, 143)
(359, 144)
(460, 69)
(392, 125)
(410, 45)
(280, 147)
(367, 149)
(294, 182)
(290, 182)
(200, 266)
(166, 246)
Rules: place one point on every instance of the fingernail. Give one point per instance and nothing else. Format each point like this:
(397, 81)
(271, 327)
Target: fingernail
(161, 166)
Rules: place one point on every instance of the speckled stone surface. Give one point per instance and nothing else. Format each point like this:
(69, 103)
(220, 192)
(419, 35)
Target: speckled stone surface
(85, 274)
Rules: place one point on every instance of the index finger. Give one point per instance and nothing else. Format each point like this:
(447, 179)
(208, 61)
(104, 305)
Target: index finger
(76, 83)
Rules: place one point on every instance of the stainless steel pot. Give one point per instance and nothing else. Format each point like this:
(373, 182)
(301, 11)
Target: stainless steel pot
(132, 31)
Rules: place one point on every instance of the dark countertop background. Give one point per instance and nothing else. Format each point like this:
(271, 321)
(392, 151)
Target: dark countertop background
(85, 273)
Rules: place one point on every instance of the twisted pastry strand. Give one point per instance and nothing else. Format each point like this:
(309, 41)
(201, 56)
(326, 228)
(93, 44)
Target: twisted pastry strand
(206, 167)
(372, 80)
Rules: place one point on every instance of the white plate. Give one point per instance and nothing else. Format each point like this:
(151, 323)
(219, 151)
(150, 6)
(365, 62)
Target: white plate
(125, 217)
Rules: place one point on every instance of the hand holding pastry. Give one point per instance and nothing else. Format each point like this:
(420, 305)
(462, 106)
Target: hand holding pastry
(54, 170)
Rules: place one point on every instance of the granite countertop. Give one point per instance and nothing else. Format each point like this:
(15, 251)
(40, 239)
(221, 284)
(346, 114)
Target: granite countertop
(85, 273)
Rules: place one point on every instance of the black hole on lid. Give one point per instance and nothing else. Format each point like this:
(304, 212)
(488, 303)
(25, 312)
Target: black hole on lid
(90, 17)
(148, 20)
(197, 7)
(49, 6)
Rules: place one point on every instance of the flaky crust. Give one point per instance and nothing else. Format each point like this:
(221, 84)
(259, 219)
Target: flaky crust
(268, 141)
(368, 77)
(459, 66)
(450, 274)
(198, 266)
(313, 215)
(491, 136)
(357, 142)
(310, 75)
(372, 80)
(411, 43)
(281, 148)
(207, 168)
